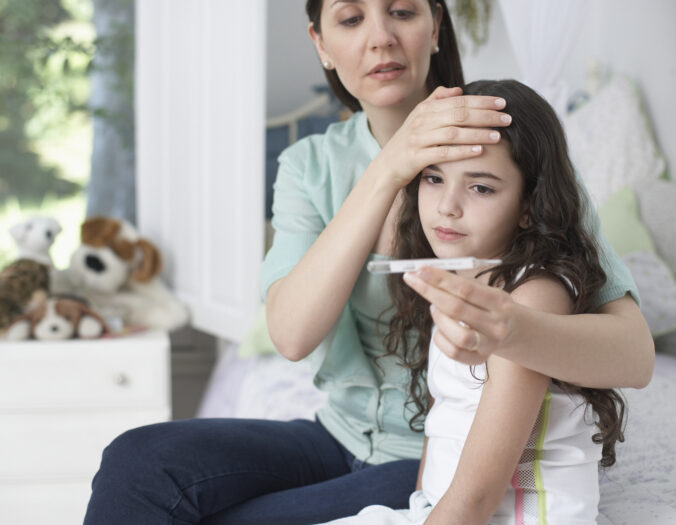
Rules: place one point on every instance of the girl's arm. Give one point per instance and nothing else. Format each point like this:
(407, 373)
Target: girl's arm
(303, 306)
(612, 348)
(509, 406)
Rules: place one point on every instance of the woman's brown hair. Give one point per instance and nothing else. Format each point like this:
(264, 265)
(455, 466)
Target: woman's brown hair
(556, 243)
(445, 67)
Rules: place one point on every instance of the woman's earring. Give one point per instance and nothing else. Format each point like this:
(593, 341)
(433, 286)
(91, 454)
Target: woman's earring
(327, 64)
(436, 49)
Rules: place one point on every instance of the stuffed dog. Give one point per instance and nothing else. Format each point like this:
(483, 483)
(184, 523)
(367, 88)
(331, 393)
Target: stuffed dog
(116, 271)
(27, 278)
(58, 318)
(34, 237)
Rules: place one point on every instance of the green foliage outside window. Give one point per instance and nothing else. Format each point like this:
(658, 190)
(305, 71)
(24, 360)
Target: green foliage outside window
(45, 52)
(48, 51)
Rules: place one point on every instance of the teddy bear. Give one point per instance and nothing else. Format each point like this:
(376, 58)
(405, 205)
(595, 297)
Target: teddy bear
(26, 279)
(117, 272)
(57, 318)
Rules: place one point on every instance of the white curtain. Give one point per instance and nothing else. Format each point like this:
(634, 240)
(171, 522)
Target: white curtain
(541, 33)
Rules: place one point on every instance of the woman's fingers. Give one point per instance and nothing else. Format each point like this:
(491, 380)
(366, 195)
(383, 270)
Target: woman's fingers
(444, 92)
(483, 308)
(459, 333)
(469, 102)
(457, 99)
(470, 290)
(440, 154)
(454, 351)
(471, 117)
(473, 319)
(447, 126)
(440, 114)
(459, 135)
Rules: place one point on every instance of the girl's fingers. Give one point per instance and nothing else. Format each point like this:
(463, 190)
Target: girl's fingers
(454, 352)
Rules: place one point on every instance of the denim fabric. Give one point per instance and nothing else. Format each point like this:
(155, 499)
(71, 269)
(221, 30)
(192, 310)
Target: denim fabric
(238, 471)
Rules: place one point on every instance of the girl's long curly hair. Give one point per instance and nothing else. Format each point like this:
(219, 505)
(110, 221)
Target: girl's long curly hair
(556, 243)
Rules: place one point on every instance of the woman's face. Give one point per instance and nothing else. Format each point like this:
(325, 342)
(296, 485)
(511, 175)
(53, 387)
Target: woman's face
(472, 207)
(380, 48)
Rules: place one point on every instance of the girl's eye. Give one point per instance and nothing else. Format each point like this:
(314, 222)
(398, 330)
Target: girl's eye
(402, 14)
(352, 21)
(432, 179)
(482, 190)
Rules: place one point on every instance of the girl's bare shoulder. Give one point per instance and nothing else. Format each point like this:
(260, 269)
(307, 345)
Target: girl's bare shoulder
(546, 293)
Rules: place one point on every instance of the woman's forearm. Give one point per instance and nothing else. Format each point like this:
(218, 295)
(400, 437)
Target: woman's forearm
(609, 349)
(302, 307)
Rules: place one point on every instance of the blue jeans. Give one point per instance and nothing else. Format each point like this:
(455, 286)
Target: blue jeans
(238, 471)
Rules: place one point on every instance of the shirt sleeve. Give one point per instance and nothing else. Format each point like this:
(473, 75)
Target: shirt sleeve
(295, 218)
(619, 281)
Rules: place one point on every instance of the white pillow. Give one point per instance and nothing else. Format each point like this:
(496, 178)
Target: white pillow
(611, 142)
(657, 208)
(657, 289)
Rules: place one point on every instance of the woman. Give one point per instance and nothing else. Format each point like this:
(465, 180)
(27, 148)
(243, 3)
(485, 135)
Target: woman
(335, 202)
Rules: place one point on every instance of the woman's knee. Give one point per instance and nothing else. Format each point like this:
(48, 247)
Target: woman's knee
(134, 453)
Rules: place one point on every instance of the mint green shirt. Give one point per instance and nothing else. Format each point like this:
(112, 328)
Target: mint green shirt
(366, 408)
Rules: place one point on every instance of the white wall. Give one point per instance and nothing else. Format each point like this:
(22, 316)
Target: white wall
(199, 131)
(292, 64)
(629, 37)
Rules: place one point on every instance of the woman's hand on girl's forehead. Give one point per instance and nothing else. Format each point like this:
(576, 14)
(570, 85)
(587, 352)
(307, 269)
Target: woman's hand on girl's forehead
(445, 127)
(473, 319)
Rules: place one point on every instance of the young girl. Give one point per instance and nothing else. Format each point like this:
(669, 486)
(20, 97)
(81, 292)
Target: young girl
(504, 444)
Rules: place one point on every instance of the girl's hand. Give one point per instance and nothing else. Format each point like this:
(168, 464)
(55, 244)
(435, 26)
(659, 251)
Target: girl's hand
(444, 127)
(473, 319)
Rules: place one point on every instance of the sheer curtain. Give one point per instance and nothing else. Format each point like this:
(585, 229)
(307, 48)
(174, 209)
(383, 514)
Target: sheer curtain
(541, 33)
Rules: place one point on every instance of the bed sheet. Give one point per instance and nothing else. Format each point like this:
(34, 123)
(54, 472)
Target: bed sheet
(641, 487)
(264, 386)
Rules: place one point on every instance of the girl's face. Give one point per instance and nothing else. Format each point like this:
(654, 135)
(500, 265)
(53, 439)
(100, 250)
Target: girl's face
(380, 48)
(472, 207)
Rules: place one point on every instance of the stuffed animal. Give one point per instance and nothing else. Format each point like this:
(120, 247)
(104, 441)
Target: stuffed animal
(58, 318)
(34, 237)
(27, 278)
(116, 271)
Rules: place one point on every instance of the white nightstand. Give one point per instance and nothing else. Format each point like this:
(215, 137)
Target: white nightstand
(61, 403)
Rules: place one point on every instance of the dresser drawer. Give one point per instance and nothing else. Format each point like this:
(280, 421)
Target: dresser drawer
(63, 445)
(77, 374)
(37, 503)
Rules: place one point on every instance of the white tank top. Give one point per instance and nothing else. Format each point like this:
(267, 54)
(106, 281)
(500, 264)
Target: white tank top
(556, 481)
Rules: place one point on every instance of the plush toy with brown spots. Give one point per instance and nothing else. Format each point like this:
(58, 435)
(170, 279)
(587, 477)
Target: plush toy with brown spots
(58, 318)
(117, 272)
(27, 279)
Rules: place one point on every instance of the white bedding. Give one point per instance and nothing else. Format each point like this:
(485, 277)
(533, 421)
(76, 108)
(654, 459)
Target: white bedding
(639, 489)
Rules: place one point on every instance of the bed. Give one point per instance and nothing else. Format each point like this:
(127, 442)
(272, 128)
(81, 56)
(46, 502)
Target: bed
(627, 179)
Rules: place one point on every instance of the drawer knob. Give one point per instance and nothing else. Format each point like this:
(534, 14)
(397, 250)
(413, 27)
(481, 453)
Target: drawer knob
(121, 379)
